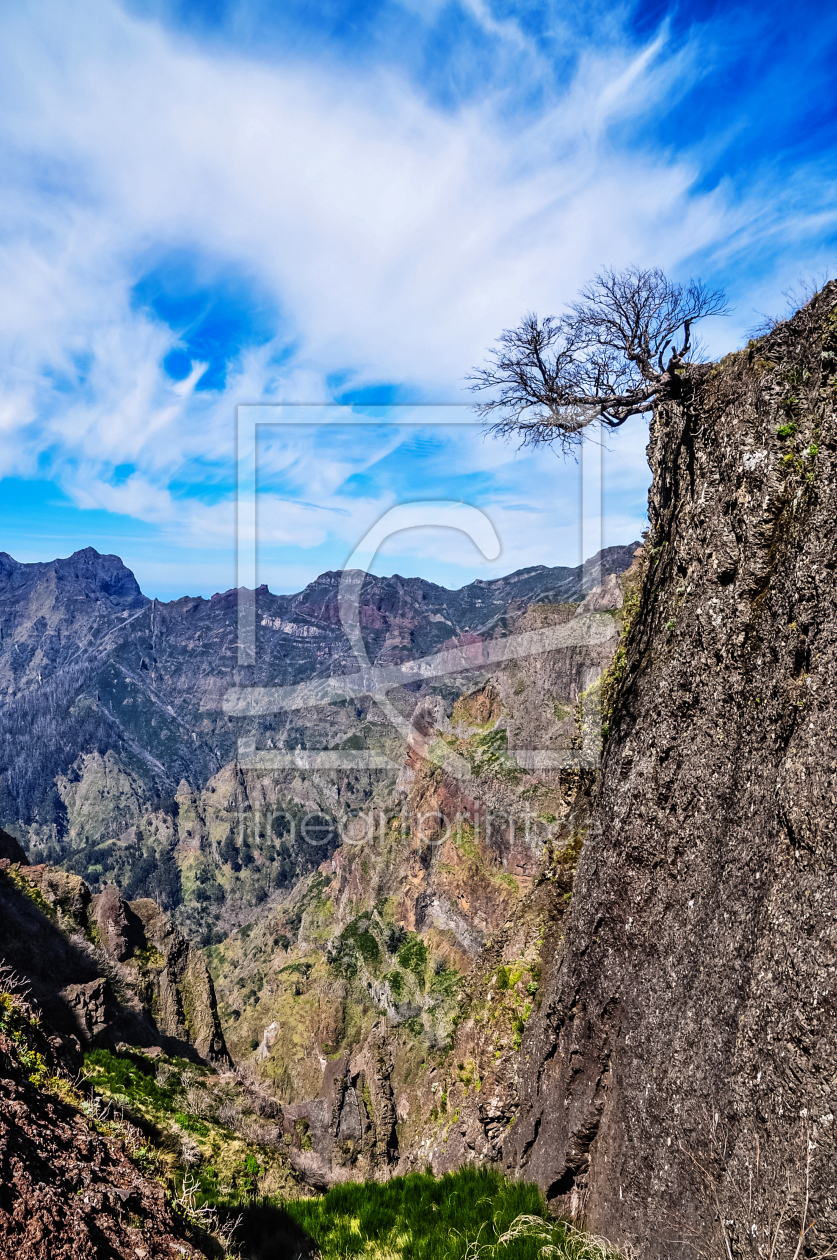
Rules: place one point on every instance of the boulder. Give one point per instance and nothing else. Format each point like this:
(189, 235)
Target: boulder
(93, 1005)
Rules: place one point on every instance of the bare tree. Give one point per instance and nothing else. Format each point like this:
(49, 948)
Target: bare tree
(626, 344)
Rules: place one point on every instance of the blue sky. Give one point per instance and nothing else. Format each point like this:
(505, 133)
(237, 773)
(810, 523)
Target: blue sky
(212, 204)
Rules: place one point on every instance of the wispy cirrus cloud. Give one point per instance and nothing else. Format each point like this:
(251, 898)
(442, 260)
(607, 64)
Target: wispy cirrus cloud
(190, 223)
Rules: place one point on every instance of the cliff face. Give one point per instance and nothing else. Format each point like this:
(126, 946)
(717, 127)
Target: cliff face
(102, 969)
(681, 1074)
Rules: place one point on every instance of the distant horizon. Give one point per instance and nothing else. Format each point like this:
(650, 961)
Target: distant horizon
(384, 577)
(419, 178)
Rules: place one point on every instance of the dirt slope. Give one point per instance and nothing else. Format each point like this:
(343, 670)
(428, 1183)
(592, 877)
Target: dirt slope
(68, 1191)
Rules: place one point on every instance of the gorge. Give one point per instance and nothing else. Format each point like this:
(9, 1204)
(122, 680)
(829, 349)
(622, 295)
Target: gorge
(617, 983)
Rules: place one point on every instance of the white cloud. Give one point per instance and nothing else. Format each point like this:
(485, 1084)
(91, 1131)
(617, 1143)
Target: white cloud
(397, 239)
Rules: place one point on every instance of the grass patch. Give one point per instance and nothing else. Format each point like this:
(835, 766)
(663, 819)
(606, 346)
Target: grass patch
(461, 1216)
(199, 1130)
(488, 753)
(191, 1124)
(396, 983)
(445, 982)
(117, 1074)
(357, 939)
(21, 1025)
(615, 672)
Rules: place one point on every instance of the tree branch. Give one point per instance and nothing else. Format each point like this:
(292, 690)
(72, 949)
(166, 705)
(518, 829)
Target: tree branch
(601, 362)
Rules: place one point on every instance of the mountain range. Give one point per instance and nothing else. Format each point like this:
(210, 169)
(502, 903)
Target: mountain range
(609, 969)
(112, 702)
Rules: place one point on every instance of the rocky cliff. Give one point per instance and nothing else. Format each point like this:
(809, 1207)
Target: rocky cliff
(103, 970)
(679, 1080)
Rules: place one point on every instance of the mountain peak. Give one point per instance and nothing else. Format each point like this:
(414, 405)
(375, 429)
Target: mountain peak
(86, 574)
(90, 553)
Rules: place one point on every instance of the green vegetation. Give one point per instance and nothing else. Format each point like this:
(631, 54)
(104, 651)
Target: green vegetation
(487, 749)
(412, 955)
(250, 854)
(503, 978)
(356, 939)
(588, 715)
(615, 672)
(329, 997)
(212, 1177)
(474, 1214)
(190, 1119)
(395, 979)
(172, 1117)
(488, 753)
(19, 1024)
(119, 1075)
(481, 863)
(446, 981)
(369, 949)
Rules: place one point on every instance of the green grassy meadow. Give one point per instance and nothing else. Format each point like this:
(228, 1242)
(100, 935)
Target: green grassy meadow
(461, 1216)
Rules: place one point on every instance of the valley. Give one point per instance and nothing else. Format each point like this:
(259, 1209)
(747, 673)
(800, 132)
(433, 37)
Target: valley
(132, 770)
(373, 937)
(467, 945)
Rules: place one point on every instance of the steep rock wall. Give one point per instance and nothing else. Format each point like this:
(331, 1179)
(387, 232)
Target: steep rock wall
(682, 1070)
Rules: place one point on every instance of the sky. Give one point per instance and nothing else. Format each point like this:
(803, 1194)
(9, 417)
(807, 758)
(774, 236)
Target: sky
(212, 204)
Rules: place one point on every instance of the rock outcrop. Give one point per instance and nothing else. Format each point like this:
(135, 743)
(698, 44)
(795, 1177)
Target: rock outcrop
(175, 985)
(679, 1081)
(105, 970)
(11, 850)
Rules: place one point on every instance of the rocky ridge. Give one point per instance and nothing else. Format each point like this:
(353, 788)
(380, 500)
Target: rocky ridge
(102, 969)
